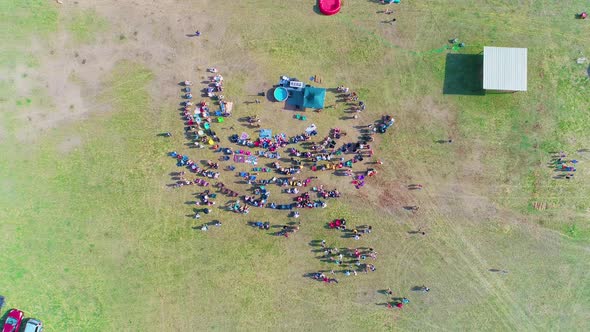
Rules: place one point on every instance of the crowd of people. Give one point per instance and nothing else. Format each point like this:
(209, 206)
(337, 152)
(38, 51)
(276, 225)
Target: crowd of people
(326, 154)
(323, 155)
(564, 166)
(348, 261)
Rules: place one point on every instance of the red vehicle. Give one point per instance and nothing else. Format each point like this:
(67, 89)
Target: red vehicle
(13, 321)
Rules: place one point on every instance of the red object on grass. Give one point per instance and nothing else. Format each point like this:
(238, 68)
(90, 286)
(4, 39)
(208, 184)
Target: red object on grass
(329, 7)
(13, 321)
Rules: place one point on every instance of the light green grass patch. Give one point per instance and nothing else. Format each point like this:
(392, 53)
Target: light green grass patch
(86, 25)
(19, 19)
(10, 58)
(70, 203)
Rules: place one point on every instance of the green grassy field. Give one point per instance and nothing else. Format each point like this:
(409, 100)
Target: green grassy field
(93, 239)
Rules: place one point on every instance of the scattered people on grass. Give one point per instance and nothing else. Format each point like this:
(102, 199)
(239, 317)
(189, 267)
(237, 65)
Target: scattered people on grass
(319, 276)
(562, 164)
(342, 89)
(286, 230)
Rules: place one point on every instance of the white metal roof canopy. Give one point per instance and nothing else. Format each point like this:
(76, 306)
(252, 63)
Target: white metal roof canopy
(504, 68)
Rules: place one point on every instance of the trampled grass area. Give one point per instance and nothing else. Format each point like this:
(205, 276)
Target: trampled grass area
(93, 239)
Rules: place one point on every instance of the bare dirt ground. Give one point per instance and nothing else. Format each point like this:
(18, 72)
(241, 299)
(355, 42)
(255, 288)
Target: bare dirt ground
(153, 34)
(69, 144)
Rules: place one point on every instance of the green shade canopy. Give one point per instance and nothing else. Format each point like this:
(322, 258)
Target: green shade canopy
(314, 97)
(295, 97)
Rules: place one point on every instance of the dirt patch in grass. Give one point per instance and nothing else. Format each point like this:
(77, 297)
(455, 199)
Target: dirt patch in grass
(430, 112)
(64, 86)
(69, 144)
(2, 133)
(472, 163)
(70, 75)
(392, 196)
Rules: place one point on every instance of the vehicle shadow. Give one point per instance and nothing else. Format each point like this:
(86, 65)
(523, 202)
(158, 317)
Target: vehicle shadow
(4, 317)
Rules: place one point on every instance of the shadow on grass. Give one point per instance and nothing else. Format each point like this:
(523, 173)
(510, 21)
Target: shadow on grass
(4, 317)
(316, 9)
(315, 243)
(498, 271)
(270, 94)
(464, 75)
